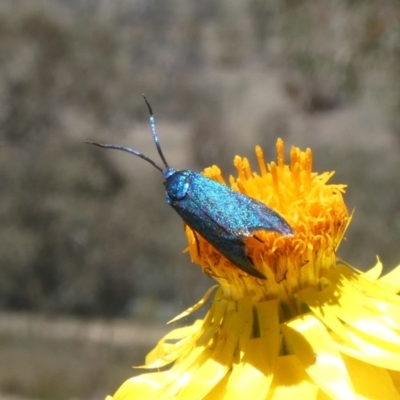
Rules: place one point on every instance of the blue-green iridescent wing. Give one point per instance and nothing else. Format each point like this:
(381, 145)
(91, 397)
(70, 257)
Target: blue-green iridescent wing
(239, 214)
(224, 218)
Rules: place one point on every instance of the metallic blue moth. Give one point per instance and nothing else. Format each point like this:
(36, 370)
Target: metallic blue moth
(222, 216)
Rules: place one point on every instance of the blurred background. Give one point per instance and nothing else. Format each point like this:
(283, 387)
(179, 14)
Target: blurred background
(91, 256)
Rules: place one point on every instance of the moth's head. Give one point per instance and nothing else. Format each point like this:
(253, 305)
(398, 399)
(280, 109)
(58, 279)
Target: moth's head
(176, 183)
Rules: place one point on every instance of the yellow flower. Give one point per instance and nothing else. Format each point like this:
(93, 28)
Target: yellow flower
(316, 328)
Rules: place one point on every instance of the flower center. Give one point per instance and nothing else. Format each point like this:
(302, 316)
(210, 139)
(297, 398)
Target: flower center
(314, 209)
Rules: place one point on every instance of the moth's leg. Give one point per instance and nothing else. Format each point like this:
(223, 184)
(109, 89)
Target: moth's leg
(250, 260)
(197, 242)
(196, 239)
(210, 274)
(257, 238)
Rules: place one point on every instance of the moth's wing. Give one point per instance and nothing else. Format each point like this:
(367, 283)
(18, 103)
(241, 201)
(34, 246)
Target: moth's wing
(257, 216)
(202, 214)
(227, 243)
(237, 254)
(234, 211)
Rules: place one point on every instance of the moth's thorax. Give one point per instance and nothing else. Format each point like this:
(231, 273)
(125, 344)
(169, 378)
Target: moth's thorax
(176, 184)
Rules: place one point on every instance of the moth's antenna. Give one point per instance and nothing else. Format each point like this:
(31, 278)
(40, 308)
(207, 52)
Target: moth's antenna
(154, 133)
(128, 150)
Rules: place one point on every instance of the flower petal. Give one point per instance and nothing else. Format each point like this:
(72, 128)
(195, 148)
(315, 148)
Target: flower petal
(219, 391)
(252, 376)
(346, 301)
(395, 375)
(167, 384)
(357, 347)
(165, 353)
(195, 307)
(350, 310)
(392, 279)
(379, 288)
(348, 340)
(369, 381)
(218, 364)
(291, 382)
(316, 350)
(141, 387)
(184, 338)
(384, 311)
(376, 271)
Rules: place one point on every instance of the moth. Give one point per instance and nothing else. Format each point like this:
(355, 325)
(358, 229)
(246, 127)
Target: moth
(223, 217)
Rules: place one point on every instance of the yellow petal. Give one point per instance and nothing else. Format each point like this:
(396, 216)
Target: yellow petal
(345, 302)
(291, 382)
(181, 373)
(369, 381)
(376, 271)
(392, 279)
(350, 309)
(357, 347)
(395, 375)
(245, 315)
(219, 391)
(348, 340)
(167, 384)
(198, 353)
(165, 353)
(217, 365)
(380, 288)
(142, 387)
(317, 352)
(194, 308)
(201, 355)
(384, 311)
(252, 377)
